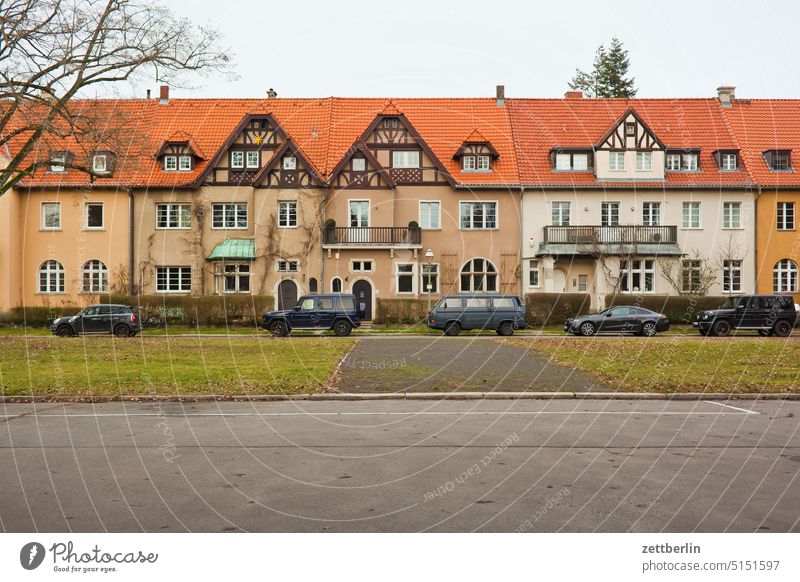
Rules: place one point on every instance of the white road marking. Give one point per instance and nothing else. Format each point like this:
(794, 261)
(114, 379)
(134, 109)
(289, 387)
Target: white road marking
(733, 407)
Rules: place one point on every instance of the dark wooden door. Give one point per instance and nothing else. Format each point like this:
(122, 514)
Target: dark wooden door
(287, 294)
(363, 292)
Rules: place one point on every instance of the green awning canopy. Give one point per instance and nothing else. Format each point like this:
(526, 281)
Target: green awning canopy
(234, 249)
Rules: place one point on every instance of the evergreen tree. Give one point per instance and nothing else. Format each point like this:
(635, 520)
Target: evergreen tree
(608, 77)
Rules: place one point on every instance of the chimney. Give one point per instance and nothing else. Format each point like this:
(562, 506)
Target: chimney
(148, 93)
(271, 93)
(573, 95)
(726, 94)
(164, 95)
(500, 101)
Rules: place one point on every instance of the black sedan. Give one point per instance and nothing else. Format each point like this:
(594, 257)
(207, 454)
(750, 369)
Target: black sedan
(620, 319)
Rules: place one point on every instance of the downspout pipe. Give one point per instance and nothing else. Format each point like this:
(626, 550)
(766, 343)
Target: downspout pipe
(131, 239)
(755, 238)
(521, 242)
(322, 219)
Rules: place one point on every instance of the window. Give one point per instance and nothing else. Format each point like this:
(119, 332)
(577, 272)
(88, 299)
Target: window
(577, 162)
(51, 215)
(100, 163)
(391, 123)
(336, 285)
(533, 273)
(689, 163)
(237, 160)
(784, 276)
(359, 164)
(785, 215)
(286, 266)
(644, 161)
(253, 160)
(478, 215)
(405, 159)
(429, 213)
(616, 161)
(477, 303)
(404, 277)
(93, 216)
(609, 213)
(559, 213)
(325, 303)
(731, 276)
(232, 277)
(289, 163)
(691, 275)
(94, 277)
(306, 304)
(57, 161)
(51, 277)
(630, 128)
(778, 160)
(682, 162)
(637, 275)
(173, 216)
(229, 215)
(479, 275)
(731, 215)
(691, 215)
(313, 286)
(170, 163)
(484, 164)
(430, 279)
(673, 162)
(359, 213)
(185, 163)
(361, 266)
(729, 162)
(173, 279)
(468, 163)
(583, 283)
(563, 161)
(287, 214)
(651, 213)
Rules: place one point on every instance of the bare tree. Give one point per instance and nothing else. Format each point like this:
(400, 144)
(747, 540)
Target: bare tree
(52, 51)
(691, 275)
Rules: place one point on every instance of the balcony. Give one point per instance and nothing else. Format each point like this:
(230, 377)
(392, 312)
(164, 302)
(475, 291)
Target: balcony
(371, 237)
(610, 240)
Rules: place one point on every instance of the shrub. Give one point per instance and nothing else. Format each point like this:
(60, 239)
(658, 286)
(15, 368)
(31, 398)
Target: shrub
(554, 308)
(678, 308)
(392, 311)
(38, 316)
(204, 310)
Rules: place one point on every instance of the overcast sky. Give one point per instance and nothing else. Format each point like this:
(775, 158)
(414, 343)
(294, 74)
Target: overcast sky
(428, 48)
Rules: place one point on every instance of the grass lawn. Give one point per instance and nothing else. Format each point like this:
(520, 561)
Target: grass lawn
(82, 366)
(735, 364)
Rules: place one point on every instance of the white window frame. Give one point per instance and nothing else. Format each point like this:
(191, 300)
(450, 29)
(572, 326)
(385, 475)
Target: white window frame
(670, 165)
(285, 214)
(484, 204)
(563, 162)
(184, 163)
(727, 215)
(425, 220)
(98, 168)
(433, 272)
(613, 161)
(647, 217)
(691, 210)
(350, 213)
(44, 219)
(170, 163)
(362, 162)
(690, 162)
(468, 163)
(57, 163)
(557, 213)
(578, 167)
(781, 221)
(253, 159)
(644, 161)
(289, 162)
(412, 274)
(169, 271)
(729, 267)
(55, 275)
(606, 214)
(483, 163)
(533, 268)
(226, 208)
(221, 275)
(724, 162)
(360, 263)
(175, 209)
(405, 158)
(785, 276)
(237, 160)
(86, 206)
(627, 266)
(287, 266)
(97, 272)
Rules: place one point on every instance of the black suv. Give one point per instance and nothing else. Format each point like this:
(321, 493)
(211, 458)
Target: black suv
(767, 314)
(121, 320)
(336, 311)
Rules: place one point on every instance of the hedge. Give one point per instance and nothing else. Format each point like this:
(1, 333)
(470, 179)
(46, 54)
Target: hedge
(678, 308)
(554, 308)
(201, 310)
(37, 316)
(392, 311)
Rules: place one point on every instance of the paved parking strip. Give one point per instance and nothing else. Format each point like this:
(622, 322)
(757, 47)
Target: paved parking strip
(557, 465)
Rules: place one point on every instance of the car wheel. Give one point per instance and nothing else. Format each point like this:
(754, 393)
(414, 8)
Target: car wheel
(122, 331)
(782, 328)
(64, 331)
(649, 329)
(278, 328)
(587, 328)
(342, 328)
(453, 328)
(506, 328)
(765, 332)
(722, 328)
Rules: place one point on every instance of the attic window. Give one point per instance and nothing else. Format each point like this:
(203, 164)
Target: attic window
(100, 163)
(728, 161)
(57, 161)
(289, 163)
(630, 128)
(476, 163)
(185, 163)
(572, 161)
(170, 163)
(391, 123)
(778, 160)
(682, 161)
(359, 164)
(173, 163)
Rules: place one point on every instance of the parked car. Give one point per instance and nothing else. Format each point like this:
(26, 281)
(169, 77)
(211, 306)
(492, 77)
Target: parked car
(336, 311)
(619, 319)
(767, 314)
(121, 320)
(502, 313)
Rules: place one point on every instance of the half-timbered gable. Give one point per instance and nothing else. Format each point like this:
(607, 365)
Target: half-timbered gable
(179, 152)
(360, 169)
(287, 168)
(476, 154)
(630, 133)
(629, 151)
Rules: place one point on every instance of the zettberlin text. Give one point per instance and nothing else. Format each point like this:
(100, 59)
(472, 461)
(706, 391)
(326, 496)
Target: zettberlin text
(671, 549)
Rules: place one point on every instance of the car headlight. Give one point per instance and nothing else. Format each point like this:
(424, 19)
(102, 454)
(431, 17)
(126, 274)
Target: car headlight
(73, 318)
(705, 316)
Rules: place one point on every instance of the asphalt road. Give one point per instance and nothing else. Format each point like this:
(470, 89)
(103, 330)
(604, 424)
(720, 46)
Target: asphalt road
(558, 465)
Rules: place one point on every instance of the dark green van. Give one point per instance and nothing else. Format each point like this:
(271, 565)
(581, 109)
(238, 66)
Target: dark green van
(502, 313)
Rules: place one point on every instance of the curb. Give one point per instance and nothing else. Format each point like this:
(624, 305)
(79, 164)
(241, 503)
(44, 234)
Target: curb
(344, 396)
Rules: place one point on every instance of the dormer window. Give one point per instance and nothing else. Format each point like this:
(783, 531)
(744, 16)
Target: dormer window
(57, 161)
(289, 163)
(476, 163)
(778, 160)
(359, 164)
(181, 163)
(727, 161)
(185, 163)
(405, 159)
(572, 161)
(100, 163)
(483, 163)
(170, 163)
(682, 162)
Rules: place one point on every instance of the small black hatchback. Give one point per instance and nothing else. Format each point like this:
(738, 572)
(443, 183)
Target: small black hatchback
(766, 314)
(121, 320)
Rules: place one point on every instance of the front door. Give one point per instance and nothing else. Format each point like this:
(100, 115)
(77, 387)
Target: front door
(287, 294)
(363, 292)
